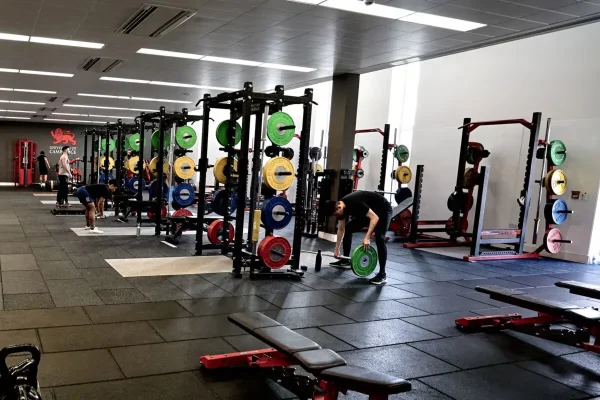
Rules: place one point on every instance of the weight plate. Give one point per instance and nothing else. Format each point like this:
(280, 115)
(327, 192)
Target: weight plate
(184, 168)
(133, 184)
(154, 189)
(184, 194)
(276, 213)
(474, 153)
(557, 154)
(403, 174)
(219, 170)
(215, 232)
(111, 144)
(554, 212)
(163, 213)
(401, 153)
(355, 155)
(556, 182)
(154, 166)
(132, 164)
(155, 137)
(276, 134)
(134, 142)
(275, 166)
(181, 213)
(111, 163)
(274, 251)
(288, 153)
(219, 202)
(315, 153)
(550, 241)
(318, 168)
(222, 135)
(103, 180)
(470, 178)
(363, 262)
(402, 194)
(456, 201)
(185, 137)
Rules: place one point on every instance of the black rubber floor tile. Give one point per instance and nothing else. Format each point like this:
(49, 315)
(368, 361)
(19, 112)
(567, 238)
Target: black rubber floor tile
(324, 339)
(373, 293)
(409, 266)
(12, 237)
(40, 233)
(577, 276)
(164, 358)
(50, 254)
(295, 318)
(315, 282)
(47, 394)
(235, 287)
(114, 252)
(419, 391)
(442, 324)
(443, 304)
(500, 383)
(279, 286)
(195, 328)
(504, 282)
(28, 301)
(15, 248)
(58, 270)
(105, 278)
(47, 241)
(88, 260)
(97, 336)
(379, 333)
(226, 305)
(11, 229)
(72, 292)
(533, 280)
(244, 385)
(374, 311)
(506, 310)
(246, 343)
(121, 296)
(434, 288)
(75, 367)
(158, 288)
(406, 277)
(401, 361)
(162, 387)
(20, 282)
(579, 371)
(483, 298)
(136, 312)
(449, 275)
(305, 299)
(27, 319)
(547, 346)
(18, 262)
(8, 338)
(197, 287)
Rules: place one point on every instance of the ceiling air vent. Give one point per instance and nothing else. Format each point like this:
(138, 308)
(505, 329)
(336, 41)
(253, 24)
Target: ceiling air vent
(155, 21)
(42, 109)
(68, 99)
(52, 99)
(99, 64)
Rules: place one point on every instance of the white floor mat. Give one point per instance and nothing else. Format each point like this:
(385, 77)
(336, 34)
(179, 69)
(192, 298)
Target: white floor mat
(132, 267)
(121, 231)
(45, 194)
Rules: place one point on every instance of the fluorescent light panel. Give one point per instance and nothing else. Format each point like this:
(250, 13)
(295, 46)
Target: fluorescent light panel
(92, 115)
(21, 102)
(442, 22)
(62, 42)
(105, 108)
(9, 117)
(27, 90)
(16, 38)
(134, 98)
(376, 10)
(19, 111)
(161, 83)
(30, 72)
(110, 78)
(165, 53)
(14, 71)
(74, 120)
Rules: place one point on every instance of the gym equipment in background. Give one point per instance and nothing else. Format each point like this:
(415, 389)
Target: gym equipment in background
(25, 153)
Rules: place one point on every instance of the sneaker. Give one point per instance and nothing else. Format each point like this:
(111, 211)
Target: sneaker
(87, 228)
(340, 263)
(379, 279)
(96, 230)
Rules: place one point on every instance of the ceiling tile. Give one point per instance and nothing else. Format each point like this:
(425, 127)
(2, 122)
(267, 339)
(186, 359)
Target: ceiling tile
(495, 6)
(580, 9)
(548, 17)
(521, 24)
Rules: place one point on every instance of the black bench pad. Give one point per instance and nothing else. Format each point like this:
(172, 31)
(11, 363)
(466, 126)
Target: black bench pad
(581, 289)
(251, 321)
(318, 360)
(285, 340)
(364, 380)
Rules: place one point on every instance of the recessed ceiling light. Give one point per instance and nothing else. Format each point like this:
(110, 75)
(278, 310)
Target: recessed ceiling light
(19, 111)
(17, 38)
(134, 98)
(14, 71)
(377, 10)
(105, 96)
(21, 102)
(9, 117)
(63, 42)
(165, 53)
(92, 115)
(106, 108)
(161, 83)
(442, 22)
(110, 78)
(74, 120)
(70, 114)
(29, 72)
(236, 61)
(286, 67)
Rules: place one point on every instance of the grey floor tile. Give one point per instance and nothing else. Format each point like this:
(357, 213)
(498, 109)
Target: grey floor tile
(8, 338)
(295, 318)
(88, 260)
(442, 324)
(506, 310)
(12, 237)
(374, 311)
(121, 296)
(379, 333)
(483, 298)
(158, 288)
(315, 282)
(47, 394)
(226, 305)
(45, 241)
(72, 292)
(166, 358)
(246, 343)
(136, 312)
(374, 293)
(18, 262)
(406, 277)
(533, 280)
(324, 339)
(195, 328)
(305, 299)
(97, 336)
(236, 287)
(500, 383)
(75, 367)
(19, 282)
(449, 275)
(50, 254)
(443, 304)
(28, 301)
(15, 248)
(197, 287)
(27, 319)
(434, 288)
(105, 278)
(58, 270)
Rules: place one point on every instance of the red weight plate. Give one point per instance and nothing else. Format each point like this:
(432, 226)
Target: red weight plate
(552, 246)
(274, 251)
(163, 213)
(215, 231)
(182, 213)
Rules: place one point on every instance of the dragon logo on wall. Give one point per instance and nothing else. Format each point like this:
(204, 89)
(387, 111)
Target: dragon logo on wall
(63, 137)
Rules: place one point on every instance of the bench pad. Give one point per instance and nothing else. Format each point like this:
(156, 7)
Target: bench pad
(285, 340)
(581, 289)
(365, 380)
(251, 321)
(318, 360)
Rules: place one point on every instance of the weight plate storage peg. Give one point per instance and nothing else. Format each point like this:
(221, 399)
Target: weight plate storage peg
(154, 189)
(163, 213)
(133, 184)
(271, 151)
(215, 232)
(184, 194)
(278, 173)
(470, 178)
(132, 164)
(288, 153)
(223, 134)
(184, 168)
(276, 213)
(315, 153)
(281, 128)
(185, 137)
(274, 251)
(363, 262)
(111, 163)
(553, 241)
(154, 139)
(134, 142)
(403, 174)
(556, 212)
(111, 144)
(557, 153)
(154, 166)
(360, 173)
(219, 202)
(401, 153)
(556, 182)
(220, 170)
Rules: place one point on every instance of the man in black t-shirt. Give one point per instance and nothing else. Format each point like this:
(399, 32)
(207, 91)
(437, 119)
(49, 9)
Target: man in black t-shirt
(368, 210)
(88, 195)
(43, 166)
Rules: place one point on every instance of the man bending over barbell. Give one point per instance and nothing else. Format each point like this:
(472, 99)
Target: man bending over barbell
(88, 195)
(368, 210)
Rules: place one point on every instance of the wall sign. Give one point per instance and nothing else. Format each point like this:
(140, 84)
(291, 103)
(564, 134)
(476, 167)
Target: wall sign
(62, 137)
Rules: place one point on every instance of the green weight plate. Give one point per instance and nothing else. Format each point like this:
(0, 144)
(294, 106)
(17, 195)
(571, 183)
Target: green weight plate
(354, 155)
(278, 136)
(111, 144)
(401, 153)
(154, 139)
(185, 137)
(557, 153)
(134, 142)
(222, 129)
(363, 262)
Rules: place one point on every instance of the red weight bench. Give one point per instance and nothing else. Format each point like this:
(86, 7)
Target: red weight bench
(546, 324)
(331, 374)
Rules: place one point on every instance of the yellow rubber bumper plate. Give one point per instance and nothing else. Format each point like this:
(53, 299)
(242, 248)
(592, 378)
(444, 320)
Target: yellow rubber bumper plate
(556, 182)
(184, 167)
(318, 168)
(154, 165)
(111, 163)
(132, 164)
(278, 173)
(220, 170)
(403, 174)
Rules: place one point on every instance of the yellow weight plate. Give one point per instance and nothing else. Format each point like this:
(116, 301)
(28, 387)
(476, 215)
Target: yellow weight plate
(219, 169)
(403, 174)
(184, 167)
(111, 163)
(556, 182)
(154, 165)
(272, 170)
(132, 164)
(318, 168)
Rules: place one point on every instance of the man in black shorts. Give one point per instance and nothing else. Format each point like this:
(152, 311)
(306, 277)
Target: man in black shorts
(43, 166)
(368, 210)
(88, 195)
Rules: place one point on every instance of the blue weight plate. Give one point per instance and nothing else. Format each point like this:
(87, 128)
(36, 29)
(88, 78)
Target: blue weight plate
(271, 210)
(184, 194)
(219, 202)
(154, 189)
(102, 178)
(553, 214)
(133, 182)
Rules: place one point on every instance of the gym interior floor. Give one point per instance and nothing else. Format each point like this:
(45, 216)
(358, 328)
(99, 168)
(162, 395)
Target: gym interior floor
(108, 337)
